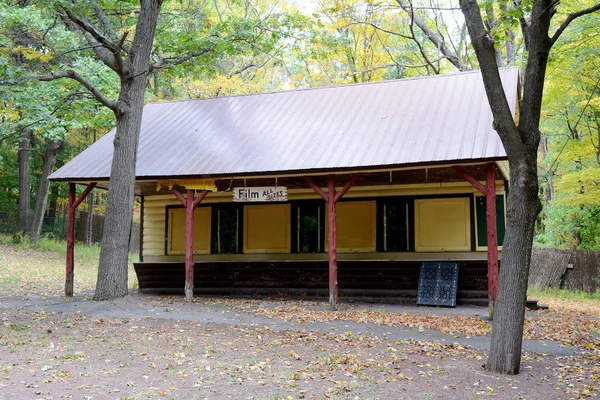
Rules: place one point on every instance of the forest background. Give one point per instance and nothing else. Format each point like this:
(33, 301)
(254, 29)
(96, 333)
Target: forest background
(268, 45)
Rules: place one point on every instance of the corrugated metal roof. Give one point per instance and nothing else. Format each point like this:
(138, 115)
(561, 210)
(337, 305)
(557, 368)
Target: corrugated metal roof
(444, 118)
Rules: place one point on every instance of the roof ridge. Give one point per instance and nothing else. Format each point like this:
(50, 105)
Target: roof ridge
(382, 82)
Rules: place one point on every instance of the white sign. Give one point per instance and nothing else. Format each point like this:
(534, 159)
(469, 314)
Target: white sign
(260, 194)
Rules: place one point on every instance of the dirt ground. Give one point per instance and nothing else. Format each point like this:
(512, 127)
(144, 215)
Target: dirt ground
(153, 347)
(48, 354)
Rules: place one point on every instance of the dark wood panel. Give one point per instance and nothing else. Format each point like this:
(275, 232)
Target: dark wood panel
(368, 279)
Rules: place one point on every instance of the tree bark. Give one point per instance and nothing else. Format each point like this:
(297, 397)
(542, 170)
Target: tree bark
(113, 264)
(52, 149)
(433, 38)
(523, 206)
(24, 194)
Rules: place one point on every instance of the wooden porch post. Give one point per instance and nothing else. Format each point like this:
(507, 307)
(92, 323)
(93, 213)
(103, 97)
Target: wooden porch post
(492, 234)
(489, 191)
(190, 204)
(331, 198)
(72, 206)
(332, 239)
(70, 242)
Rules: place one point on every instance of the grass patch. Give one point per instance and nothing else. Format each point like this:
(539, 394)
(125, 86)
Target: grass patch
(86, 254)
(27, 267)
(18, 327)
(562, 294)
(5, 239)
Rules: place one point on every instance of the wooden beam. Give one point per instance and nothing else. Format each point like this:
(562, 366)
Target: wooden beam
(189, 246)
(332, 246)
(141, 256)
(72, 206)
(200, 197)
(492, 234)
(347, 187)
(317, 189)
(179, 197)
(190, 204)
(471, 180)
(69, 274)
(83, 195)
(331, 199)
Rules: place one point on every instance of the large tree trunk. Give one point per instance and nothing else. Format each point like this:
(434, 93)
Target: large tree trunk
(521, 144)
(24, 194)
(52, 149)
(523, 207)
(112, 269)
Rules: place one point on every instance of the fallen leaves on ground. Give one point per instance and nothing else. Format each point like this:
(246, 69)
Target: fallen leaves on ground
(567, 328)
(81, 356)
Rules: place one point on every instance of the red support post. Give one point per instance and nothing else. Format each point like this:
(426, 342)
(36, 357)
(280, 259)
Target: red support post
(190, 204)
(189, 246)
(73, 204)
(332, 247)
(331, 198)
(70, 242)
(489, 191)
(492, 234)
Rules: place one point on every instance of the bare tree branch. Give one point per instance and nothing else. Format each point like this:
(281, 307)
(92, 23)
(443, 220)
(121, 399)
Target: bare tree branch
(103, 19)
(85, 26)
(87, 84)
(103, 54)
(377, 27)
(112, 57)
(421, 50)
(570, 18)
(453, 58)
(170, 61)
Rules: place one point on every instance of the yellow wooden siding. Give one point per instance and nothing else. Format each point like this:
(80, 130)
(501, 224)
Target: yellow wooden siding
(356, 223)
(420, 189)
(154, 239)
(267, 228)
(442, 224)
(176, 232)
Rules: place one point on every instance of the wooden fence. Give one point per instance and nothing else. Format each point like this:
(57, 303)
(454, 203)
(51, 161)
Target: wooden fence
(565, 269)
(98, 226)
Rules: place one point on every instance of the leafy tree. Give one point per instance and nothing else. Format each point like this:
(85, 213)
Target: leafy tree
(103, 29)
(521, 140)
(36, 118)
(569, 159)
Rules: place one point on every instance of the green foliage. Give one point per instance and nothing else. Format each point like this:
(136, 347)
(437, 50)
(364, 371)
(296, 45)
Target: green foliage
(9, 180)
(567, 226)
(569, 166)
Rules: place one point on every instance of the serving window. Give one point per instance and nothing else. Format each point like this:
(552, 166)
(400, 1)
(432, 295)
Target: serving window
(356, 223)
(176, 230)
(267, 228)
(442, 224)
